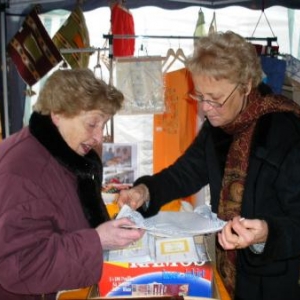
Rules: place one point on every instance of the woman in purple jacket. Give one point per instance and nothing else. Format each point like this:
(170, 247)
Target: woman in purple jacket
(54, 226)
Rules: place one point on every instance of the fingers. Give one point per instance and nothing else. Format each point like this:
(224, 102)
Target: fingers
(123, 222)
(238, 225)
(240, 233)
(133, 197)
(123, 198)
(257, 231)
(113, 236)
(237, 244)
(129, 197)
(227, 238)
(232, 235)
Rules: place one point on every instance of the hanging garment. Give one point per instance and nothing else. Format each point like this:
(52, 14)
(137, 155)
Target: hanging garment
(274, 68)
(73, 34)
(32, 50)
(200, 26)
(122, 23)
(293, 70)
(175, 129)
(141, 81)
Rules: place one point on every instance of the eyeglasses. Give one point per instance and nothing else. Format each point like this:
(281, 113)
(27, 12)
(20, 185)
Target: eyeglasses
(212, 103)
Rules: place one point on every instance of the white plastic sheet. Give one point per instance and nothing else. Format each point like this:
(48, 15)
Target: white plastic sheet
(176, 224)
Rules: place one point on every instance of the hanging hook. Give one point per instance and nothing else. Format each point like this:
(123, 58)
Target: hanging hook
(263, 14)
(30, 92)
(64, 65)
(262, 5)
(98, 65)
(143, 48)
(38, 8)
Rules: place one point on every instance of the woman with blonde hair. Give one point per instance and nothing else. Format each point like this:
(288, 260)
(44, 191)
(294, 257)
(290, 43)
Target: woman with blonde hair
(247, 151)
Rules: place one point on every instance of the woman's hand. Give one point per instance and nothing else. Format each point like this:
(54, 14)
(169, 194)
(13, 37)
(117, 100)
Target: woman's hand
(134, 197)
(241, 233)
(113, 235)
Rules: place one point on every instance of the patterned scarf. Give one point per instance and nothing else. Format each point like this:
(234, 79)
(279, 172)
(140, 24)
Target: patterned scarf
(236, 168)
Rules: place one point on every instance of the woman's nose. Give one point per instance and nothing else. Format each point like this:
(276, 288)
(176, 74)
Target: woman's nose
(206, 106)
(98, 135)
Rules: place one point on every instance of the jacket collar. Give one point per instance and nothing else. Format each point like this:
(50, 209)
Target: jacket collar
(43, 129)
(87, 169)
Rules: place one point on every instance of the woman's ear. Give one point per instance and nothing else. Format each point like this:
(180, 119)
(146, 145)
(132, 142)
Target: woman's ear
(55, 118)
(248, 88)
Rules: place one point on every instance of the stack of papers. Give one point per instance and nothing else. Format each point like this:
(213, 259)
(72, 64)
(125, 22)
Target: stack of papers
(156, 249)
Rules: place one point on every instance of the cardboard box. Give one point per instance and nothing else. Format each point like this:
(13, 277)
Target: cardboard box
(201, 279)
(143, 279)
(92, 293)
(164, 279)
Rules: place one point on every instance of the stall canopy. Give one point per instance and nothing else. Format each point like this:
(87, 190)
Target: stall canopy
(24, 6)
(12, 13)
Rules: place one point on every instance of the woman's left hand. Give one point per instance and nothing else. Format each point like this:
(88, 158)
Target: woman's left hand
(241, 233)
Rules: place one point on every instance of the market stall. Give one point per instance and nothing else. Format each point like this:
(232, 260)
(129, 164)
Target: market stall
(180, 113)
(12, 14)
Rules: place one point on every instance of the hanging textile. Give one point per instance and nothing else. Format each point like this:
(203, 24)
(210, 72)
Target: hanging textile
(32, 50)
(175, 129)
(274, 69)
(122, 23)
(200, 25)
(141, 81)
(73, 34)
(293, 70)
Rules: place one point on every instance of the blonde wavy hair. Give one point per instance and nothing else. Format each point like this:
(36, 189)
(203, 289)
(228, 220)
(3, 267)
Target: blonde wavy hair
(226, 56)
(69, 92)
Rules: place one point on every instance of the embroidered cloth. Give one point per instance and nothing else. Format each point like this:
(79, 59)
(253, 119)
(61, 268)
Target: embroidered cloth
(32, 50)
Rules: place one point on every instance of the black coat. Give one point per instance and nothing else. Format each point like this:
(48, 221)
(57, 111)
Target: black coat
(272, 193)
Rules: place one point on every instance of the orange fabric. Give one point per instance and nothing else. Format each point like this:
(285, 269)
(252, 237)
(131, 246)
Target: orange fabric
(113, 209)
(175, 129)
(175, 205)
